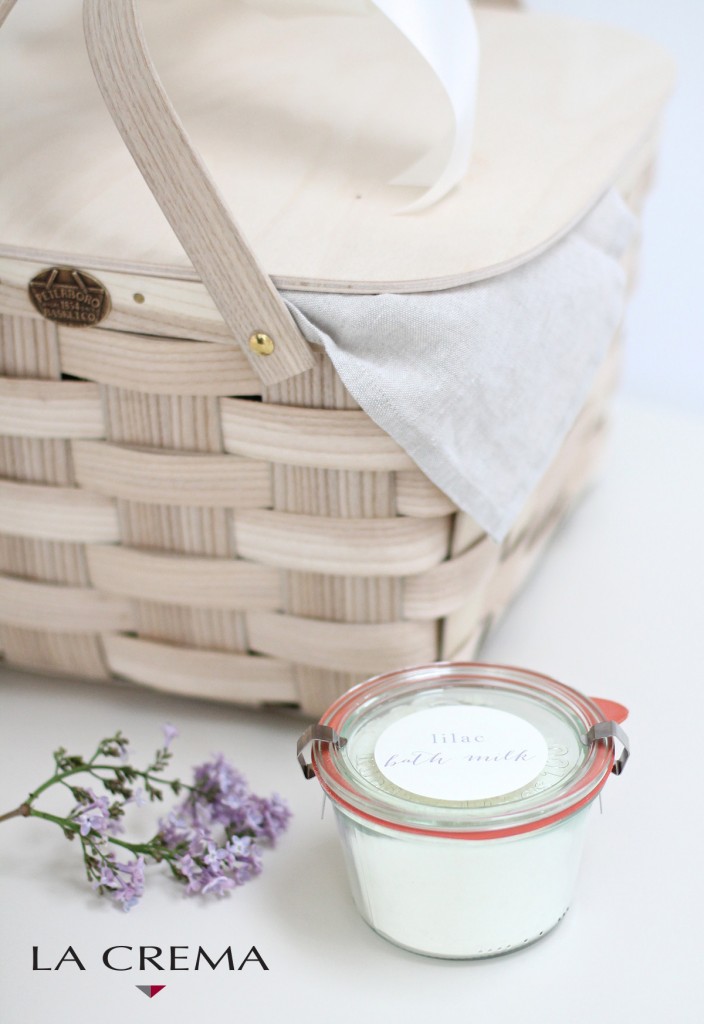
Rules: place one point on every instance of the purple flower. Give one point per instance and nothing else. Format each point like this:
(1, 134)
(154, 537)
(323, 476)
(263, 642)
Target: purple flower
(170, 733)
(219, 868)
(220, 789)
(198, 839)
(138, 798)
(265, 819)
(123, 883)
(222, 797)
(173, 830)
(216, 885)
(246, 858)
(213, 832)
(108, 877)
(94, 816)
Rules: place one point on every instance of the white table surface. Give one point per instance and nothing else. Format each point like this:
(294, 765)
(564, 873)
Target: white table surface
(615, 609)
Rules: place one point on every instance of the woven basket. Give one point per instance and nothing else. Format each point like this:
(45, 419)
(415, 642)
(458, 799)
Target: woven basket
(185, 510)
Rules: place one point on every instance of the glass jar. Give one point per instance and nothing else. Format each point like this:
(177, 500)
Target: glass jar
(461, 793)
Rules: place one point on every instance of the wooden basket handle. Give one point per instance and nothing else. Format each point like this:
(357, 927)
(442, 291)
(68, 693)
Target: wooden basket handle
(152, 131)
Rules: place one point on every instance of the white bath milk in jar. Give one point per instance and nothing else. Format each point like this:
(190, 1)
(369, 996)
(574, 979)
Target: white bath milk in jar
(462, 794)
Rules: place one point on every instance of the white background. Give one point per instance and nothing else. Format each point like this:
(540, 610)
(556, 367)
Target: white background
(615, 610)
(665, 324)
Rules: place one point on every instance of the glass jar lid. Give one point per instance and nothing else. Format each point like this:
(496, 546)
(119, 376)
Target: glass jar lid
(465, 750)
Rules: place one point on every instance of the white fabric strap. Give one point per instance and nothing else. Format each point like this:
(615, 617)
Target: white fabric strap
(444, 33)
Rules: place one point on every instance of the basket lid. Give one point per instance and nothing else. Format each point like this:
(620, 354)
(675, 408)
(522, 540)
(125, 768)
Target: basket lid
(304, 122)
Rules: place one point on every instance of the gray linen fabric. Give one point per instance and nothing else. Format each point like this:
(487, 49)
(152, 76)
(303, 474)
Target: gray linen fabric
(480, 384)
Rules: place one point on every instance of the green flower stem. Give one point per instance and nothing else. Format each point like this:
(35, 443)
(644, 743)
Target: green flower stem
(91, 768)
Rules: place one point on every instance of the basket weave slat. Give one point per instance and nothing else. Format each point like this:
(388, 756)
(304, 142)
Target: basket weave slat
(155, 366)
(192, 531)
(47, 408)
(223, 676)
(58, 513)
(180, 422)
(60, 609)
(35, 459)
(29, 348)
(342, 546)
(171, 478)
(321, 438)
(341, 646)
(343, 598)
(188, 626)
(443, 589)
(38, 559)
(220, 583)
(72, 654)
(335, 493)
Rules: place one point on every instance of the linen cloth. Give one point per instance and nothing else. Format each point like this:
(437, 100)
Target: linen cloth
(481, 383)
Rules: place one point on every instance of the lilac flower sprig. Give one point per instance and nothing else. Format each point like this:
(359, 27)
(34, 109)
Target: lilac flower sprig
(211, 840)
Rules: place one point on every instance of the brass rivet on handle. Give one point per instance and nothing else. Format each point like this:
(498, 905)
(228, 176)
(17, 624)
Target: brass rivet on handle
(261, 343)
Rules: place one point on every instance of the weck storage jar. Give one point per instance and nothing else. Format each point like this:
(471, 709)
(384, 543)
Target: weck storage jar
(462, 793)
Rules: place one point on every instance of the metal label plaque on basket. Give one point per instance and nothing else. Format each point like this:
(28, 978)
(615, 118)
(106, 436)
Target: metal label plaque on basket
(69, 296)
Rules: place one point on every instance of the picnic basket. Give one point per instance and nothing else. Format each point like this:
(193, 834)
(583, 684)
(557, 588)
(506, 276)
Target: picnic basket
(189, 498)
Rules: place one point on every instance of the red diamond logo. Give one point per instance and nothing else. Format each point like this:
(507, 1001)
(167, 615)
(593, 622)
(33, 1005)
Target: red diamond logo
(150, 990)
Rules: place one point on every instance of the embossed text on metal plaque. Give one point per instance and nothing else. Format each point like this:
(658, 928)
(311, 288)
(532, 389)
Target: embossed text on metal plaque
(69, 296)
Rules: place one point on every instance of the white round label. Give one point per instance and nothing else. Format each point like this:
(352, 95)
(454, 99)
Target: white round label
(461, 752)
